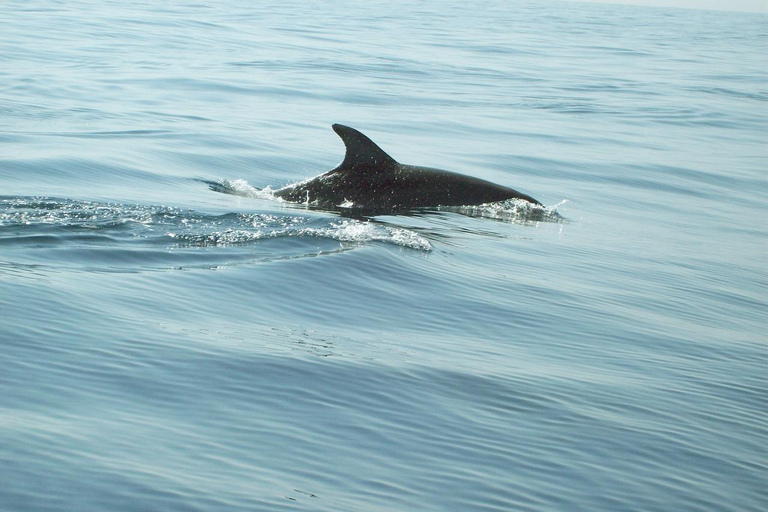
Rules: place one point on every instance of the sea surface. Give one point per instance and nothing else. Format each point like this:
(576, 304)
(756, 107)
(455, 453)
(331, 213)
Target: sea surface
(168, 347)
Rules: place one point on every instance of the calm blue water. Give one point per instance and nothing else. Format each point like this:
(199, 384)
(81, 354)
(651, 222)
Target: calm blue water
(167, 347)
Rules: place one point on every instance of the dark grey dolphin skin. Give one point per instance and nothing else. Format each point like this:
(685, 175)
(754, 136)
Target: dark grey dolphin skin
(370, 180)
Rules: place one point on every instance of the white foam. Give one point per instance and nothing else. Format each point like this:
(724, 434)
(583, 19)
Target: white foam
(364, 232)
(348, 231)
(241, 188)
(513, 210)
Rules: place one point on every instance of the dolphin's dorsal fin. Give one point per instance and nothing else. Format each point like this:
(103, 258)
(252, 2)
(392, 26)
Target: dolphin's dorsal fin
(362, 153)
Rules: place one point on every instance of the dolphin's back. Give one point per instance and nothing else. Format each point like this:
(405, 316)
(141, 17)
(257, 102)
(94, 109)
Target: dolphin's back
(370, 179)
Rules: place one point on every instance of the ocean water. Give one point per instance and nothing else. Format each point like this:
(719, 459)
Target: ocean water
(165, 346)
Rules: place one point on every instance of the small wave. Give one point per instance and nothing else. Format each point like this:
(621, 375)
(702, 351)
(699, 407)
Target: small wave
(512, 210)
(363, 232)
(40, 223)
(37, 211)
(347, 231)
(239, 188)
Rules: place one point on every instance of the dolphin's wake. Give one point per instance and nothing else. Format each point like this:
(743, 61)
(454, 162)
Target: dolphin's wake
(154, 237)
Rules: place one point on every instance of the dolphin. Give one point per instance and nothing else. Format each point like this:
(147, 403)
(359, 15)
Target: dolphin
(369, 181)
(372, 181)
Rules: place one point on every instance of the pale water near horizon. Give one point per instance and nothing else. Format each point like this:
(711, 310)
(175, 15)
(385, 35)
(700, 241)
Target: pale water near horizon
(168, 347)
